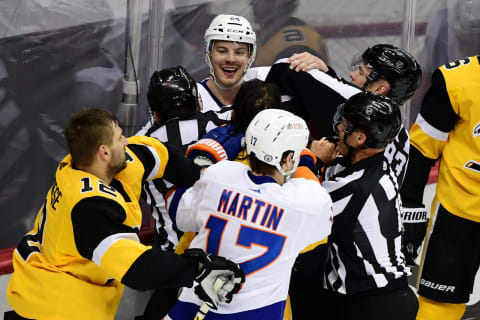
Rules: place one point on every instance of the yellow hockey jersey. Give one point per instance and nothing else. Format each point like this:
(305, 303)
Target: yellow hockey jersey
(448, 127)
(84, 240)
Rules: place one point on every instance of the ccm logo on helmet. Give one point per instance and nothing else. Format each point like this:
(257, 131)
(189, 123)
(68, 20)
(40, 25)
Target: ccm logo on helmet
(234, 31)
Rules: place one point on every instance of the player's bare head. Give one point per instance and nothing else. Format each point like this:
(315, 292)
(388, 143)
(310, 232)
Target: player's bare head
(172, 92)
(272, 136)
(86, 131)
(253, 97)
(230, 28)
(398, 67)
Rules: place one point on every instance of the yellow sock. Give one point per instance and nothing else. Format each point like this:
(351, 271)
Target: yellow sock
(433, 310)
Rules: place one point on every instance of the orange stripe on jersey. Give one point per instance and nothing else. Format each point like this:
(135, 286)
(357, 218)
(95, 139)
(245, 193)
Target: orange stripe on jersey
(308, 153)
(169, 193)
(306, 173)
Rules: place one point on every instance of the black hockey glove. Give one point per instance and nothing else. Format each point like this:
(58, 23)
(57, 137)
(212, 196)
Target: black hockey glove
(415, 221)
(211, 267)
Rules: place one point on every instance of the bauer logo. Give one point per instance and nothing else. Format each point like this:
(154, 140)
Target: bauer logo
(437, 286)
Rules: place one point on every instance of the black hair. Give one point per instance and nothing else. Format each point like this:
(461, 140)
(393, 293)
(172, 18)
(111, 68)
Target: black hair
(253, 97)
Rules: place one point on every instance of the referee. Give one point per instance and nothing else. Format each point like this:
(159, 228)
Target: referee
(173, 98)
(366, 275)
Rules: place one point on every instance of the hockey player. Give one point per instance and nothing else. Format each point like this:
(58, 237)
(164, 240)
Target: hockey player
(226, 142)
(447, 128)
(383, 69)
(255, 216)
(84, 246)
(230, 46)
(315, 95)
(173, 100)
(230, 49)
(366, 274)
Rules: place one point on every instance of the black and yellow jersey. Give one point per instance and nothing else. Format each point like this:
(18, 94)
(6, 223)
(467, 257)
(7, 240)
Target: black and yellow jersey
(84, 242)
(293, 37)
(448, 127)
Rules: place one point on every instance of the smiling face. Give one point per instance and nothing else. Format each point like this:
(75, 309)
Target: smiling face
(229, 60)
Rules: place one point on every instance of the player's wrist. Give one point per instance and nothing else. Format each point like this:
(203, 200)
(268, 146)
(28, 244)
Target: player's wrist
(414, 215)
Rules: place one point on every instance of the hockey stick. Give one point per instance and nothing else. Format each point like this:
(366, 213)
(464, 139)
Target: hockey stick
(204, 308)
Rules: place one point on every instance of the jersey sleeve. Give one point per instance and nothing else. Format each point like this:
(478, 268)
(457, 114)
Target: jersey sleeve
(180, 170)
(320, 223)
(101, 237)
(182, 206)
(151, 153)
(437, 117)
(317, 207)
(315, 93)
(428, 136)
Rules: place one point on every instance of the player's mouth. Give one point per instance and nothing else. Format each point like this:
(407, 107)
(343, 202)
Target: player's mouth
(229, 71)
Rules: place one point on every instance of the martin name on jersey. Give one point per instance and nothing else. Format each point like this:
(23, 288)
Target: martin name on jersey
(255, 222)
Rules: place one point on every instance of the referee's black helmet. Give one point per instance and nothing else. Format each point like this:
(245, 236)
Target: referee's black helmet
(172, 92)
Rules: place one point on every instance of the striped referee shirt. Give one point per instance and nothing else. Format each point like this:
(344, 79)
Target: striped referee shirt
(365, 244)
(180, 132)
(316, 95)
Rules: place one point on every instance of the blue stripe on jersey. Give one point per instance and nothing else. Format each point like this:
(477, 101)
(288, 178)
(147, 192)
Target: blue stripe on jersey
(172, 209)
(187, 310)
(204, 84)
(260, 179)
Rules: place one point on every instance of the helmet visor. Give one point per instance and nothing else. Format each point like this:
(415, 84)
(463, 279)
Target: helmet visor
(338, 117)
(356, 62)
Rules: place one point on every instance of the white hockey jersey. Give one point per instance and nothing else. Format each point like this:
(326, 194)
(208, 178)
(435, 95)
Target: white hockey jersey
(257, 223)
(208, 100)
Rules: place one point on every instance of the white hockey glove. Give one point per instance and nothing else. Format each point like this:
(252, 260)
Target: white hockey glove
(210, 268)
(415, 221)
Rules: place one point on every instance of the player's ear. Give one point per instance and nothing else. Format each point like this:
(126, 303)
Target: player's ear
(360, 138)
(103, 152)
(155, 115)
(382, 87)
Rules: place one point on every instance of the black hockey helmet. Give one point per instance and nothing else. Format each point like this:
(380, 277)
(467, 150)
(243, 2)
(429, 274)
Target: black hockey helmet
(396, 66)
(378, 116)
(172, 92)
